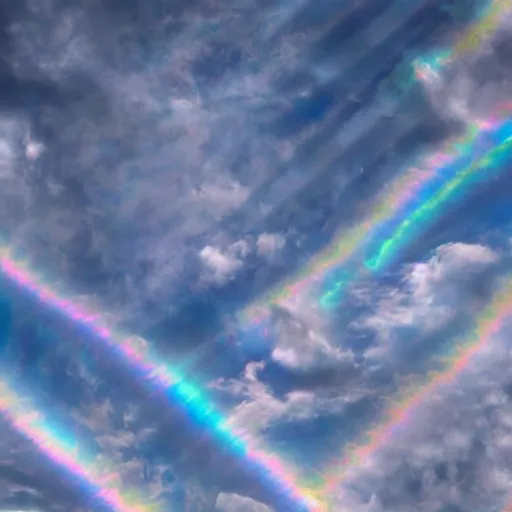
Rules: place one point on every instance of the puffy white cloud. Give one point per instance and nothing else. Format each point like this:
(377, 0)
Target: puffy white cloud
(301, 347)
(236, 503)
(259, 408)
(33, 149)
(222, 266)
(431, 294)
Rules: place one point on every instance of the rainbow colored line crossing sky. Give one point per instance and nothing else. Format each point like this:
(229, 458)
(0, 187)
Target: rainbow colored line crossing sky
(404, 191)
(487, 325)
(478, 169)
(137, 353)
(486, 24)
(412, 202)
(61, 448)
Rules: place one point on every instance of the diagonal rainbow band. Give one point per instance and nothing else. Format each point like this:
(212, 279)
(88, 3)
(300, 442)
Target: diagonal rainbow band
(488, 324)
(62, 449)
(403, 190)
(486, 24)
(481, 155)
(347, 243)
(430, 206)
(437, 179)
(446, 171)
(136, 353)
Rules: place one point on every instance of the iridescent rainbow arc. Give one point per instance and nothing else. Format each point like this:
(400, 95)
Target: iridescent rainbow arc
(429, 208)
(138, 354)
(487, 23)
(488, 324)
(403, 190)
(451, 177)
(66, 452)
(347, 243)
(474, 164)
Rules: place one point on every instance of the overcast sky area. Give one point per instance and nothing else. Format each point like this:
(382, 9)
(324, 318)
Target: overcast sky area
(171, 163)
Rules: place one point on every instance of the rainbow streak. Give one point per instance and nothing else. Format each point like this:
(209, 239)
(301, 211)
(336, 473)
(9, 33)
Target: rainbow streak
(403, 190)
(451, 190)
(489, 20)
(463, 153)
(136, 352)
(65, 451)
(488, 324)
(426, 204)
(346, 244)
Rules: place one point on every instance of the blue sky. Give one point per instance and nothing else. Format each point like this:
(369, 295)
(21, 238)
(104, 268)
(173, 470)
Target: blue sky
(170, 163)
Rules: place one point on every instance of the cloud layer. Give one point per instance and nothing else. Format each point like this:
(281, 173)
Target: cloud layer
(171, 161)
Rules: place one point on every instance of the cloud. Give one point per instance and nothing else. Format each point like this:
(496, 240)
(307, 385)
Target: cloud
(33, 149)
(13, 141)
(475, 85)
(143, 136)
(130, 152)
(300, 347)
(235, 503)
(269, 244)
(431, 295)
(259, 408)
(6, 159)
(452, 449)
(24, 487)
(222, 266)
(149, 129)
(221, 195)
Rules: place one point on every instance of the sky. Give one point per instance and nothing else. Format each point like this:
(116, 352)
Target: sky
(255, 256)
